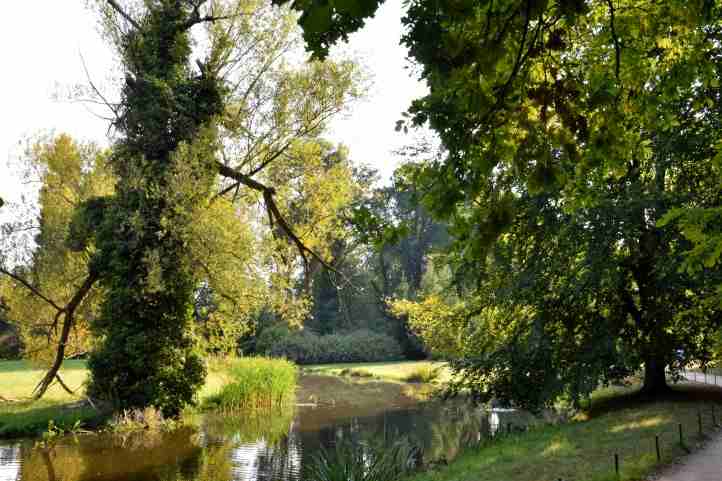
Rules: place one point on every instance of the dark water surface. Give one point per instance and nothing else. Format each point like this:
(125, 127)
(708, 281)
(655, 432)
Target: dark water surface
(255, 447)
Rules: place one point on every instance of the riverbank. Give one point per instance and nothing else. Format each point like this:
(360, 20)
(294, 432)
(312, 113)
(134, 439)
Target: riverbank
(24, 417)
(365, 387)
(619, 422)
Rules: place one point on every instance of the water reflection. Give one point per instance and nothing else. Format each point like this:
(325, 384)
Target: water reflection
(249, 448)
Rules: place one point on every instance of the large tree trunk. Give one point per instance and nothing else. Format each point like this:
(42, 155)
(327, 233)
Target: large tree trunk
(655, 377)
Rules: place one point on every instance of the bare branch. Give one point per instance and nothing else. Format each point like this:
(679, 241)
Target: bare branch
(31, 288)
(95, 89)
(122, 13)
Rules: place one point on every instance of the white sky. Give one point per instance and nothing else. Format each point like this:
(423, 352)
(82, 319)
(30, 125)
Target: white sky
(41, 43)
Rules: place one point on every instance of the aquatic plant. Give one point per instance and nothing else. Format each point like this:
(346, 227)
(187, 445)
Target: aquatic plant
(256, 382)
(361, 463)
(149, 418)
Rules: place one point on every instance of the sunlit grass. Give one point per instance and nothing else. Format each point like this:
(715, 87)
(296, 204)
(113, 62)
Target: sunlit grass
(584, 449)
(25, 417)
(392, 371)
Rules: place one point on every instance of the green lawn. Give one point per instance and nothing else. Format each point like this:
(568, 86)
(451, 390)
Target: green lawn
(24, 417)
(392, 371)
(584, 449)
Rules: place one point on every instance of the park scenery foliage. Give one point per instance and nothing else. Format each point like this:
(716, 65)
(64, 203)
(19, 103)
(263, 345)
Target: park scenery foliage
(557, 228)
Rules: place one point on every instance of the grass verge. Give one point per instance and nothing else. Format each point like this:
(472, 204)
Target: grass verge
(619, 423)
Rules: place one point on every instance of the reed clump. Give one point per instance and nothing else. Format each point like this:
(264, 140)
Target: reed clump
(423, 374)
(256, 382)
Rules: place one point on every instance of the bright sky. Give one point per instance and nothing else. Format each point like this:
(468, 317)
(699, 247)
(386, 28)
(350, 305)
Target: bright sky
(42, 41)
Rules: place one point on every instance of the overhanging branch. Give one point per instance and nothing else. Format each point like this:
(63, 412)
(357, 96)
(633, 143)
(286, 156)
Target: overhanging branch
(123, 14)
(276, 217)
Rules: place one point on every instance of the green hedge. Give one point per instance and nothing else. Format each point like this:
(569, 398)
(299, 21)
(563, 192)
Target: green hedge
(304, 347)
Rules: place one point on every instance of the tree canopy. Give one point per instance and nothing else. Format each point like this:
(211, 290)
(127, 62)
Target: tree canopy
(576, 135)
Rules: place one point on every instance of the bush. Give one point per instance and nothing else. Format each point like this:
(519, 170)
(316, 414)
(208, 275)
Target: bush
(257, 382)
(304, 347)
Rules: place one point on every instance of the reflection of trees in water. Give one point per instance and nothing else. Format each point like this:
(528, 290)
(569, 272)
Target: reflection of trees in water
(252, 447)
(148, 456)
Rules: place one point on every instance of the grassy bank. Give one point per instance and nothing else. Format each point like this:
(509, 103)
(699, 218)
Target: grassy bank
(619, 422)
(25, 417)
(399, 371)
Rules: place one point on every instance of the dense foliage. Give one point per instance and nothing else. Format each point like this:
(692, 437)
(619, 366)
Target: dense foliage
(576, 133)
(305, 347)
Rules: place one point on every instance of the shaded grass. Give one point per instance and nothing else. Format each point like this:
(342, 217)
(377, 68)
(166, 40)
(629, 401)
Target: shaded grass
(619, 421)
(26, 417)
(255, 382)
(392, 371)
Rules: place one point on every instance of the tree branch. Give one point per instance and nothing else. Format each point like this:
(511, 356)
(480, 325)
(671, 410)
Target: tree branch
(275, 214)
(615, 39)
(31, 288)
(68, 319)
(122, 13)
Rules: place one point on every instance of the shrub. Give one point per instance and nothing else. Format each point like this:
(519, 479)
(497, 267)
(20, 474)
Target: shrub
(257, 382)
(304, 347)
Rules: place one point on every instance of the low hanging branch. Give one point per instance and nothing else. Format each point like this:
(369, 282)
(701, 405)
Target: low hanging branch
(275, 216)
(68, 313)
(68, 317)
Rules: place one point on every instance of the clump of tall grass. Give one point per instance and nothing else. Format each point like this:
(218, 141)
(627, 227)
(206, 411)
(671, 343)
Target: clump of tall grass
(256, 382)
(149, 418)
(423, 374)
(354, 463)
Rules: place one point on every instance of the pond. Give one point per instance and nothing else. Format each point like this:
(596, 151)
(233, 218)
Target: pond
(264, 446)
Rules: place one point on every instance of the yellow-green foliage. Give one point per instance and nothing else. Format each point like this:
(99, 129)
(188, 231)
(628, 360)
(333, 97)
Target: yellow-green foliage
(453, 329)
(256, 382)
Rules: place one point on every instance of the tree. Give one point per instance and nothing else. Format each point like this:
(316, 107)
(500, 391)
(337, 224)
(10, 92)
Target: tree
(179, 125)
(568, 124)
(69, 174)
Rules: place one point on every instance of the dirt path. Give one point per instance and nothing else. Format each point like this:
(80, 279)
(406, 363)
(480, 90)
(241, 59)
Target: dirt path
(703, 465)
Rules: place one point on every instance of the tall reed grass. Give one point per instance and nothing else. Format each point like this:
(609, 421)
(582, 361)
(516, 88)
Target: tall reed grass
(354, 463)
(255, 382)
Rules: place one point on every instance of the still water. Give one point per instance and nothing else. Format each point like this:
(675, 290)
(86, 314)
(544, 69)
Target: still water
(257, 447)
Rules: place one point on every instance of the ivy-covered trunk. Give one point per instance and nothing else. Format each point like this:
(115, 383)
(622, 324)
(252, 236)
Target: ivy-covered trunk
(164, 162)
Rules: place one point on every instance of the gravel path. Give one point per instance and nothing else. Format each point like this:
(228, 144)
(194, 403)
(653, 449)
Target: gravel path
(703, 465)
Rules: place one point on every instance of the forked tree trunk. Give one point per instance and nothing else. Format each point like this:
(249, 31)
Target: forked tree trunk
(655, 377)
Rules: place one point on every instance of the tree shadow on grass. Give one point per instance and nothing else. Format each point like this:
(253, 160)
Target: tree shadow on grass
(682, 392)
